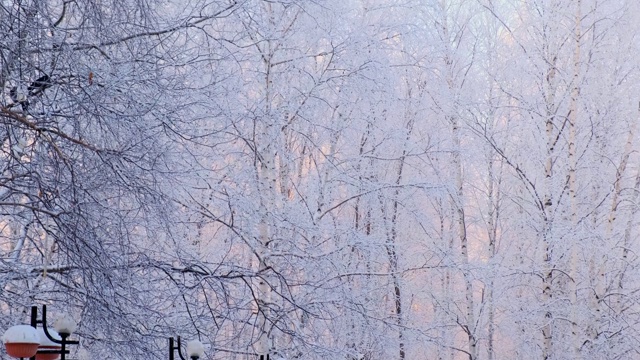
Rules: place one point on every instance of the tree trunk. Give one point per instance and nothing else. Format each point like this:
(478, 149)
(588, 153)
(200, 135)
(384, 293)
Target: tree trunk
(573, 116)
(464, 244)
(547, 210)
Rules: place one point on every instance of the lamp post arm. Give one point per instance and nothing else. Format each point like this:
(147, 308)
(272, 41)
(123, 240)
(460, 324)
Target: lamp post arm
(180, 349)
(45, 327)
(173, 348)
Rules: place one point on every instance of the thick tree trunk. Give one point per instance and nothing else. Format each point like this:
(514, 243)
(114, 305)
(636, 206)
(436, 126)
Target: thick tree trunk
(267, 176)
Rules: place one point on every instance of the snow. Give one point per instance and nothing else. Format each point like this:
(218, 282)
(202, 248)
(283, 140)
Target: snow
(65, 324)
(21, 334)
(195, 348)
(44, 340)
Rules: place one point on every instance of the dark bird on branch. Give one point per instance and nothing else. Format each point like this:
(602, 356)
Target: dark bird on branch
(39, 85)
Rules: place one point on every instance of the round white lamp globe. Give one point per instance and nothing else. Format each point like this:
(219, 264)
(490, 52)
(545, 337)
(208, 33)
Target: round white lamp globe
(195, 349)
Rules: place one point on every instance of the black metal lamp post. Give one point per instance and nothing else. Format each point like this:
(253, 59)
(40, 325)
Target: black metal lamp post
(24, 341)
(64, 326)
(195, 349)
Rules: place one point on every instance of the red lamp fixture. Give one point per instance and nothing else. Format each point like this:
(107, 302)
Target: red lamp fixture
(21, 341)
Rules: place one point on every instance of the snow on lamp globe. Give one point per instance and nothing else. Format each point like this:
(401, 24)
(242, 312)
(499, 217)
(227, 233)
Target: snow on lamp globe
(65, 325)
(195, 349)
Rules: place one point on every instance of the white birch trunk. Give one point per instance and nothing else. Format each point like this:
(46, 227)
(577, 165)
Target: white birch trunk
(492, 231)
(627, 239)
(267, 175)
(464, 244)
(547, 291)
(573, 117)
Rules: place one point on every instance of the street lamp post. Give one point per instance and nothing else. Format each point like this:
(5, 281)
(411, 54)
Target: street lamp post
(24, 341)
(64, 326)
(195, 349)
